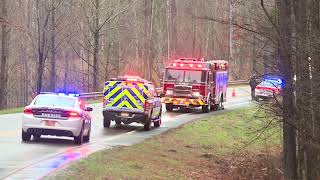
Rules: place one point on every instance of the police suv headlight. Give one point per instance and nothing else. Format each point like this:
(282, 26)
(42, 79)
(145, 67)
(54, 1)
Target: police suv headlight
(169, 92)
(196, 94)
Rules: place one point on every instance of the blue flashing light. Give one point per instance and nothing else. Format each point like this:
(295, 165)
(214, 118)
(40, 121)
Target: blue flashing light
(276, 80)
(68, 94)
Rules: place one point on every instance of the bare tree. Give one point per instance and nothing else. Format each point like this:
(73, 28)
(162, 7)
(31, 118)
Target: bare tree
(4, 55)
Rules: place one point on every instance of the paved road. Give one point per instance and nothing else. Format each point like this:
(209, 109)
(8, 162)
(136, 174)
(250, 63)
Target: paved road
(36, 159)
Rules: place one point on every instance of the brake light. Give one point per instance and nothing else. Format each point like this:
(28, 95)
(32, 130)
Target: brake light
(104, 102)
(73, 114)
(147, 105)
(28, 111)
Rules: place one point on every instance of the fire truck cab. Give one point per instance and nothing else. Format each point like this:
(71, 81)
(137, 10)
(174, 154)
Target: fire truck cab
(190, 83)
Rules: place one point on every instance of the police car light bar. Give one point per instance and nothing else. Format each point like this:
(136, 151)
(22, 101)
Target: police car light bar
(62, 94)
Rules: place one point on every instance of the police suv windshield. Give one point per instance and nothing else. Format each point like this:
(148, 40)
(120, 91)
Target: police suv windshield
(52, 100)
(187, 76)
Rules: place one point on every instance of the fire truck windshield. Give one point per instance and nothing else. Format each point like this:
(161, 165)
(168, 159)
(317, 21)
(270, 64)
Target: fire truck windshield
(187, 76)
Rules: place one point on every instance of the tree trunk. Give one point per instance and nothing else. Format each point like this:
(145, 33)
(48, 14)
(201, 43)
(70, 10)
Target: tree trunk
(289, 138)
(66, 71)
(4, 56)
(96, 36)
(53, 51)
(314, 151)
(173, 27)
(168, 29)
(151, 45)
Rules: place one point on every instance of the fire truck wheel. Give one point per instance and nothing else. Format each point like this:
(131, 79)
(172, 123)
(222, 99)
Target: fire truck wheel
(205, 109)
(169, 107)
(106, 123)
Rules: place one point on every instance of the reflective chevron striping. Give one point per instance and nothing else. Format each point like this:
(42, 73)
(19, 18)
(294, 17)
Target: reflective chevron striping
(125, 94)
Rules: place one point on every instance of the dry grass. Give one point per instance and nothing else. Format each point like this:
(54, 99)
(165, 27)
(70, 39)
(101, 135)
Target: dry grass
(213, 148)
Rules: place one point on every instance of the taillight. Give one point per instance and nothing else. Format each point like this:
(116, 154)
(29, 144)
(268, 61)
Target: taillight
(104, 102)
(73, 114)
(28, 111)
(147, 105)
(276, 91)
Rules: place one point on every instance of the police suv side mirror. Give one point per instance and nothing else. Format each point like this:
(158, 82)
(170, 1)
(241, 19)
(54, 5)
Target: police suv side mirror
(89, 109)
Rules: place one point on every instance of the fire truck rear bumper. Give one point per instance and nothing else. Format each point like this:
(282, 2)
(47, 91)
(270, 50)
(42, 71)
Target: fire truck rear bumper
(184, 102)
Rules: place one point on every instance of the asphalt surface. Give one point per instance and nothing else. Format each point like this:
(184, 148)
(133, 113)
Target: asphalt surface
(37, 159)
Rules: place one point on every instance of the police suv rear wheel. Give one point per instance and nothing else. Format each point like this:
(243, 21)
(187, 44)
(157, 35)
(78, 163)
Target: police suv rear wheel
(25, 136)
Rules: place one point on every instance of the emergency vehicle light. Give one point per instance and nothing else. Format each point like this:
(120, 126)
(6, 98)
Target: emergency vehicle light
(279, 81)
(68, 94)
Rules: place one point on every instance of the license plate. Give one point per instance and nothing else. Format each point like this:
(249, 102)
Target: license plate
(51, 115)
(50, 123)
(123, 114)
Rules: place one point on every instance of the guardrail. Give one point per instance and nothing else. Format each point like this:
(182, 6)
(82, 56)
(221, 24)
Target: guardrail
(99, 95)
(238, 82)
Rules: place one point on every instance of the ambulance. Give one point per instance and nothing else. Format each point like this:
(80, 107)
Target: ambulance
(131, 99)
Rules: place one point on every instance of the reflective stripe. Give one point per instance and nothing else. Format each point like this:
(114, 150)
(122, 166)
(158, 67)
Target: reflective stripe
(182, 101)
(122, 94)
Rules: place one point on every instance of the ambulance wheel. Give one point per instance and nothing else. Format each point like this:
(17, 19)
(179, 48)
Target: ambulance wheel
(147, 125)
(106, 123)
(169, 107)
(158, 123)
(25, 136)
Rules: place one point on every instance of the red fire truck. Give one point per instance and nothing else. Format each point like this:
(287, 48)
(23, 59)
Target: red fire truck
(190, 83)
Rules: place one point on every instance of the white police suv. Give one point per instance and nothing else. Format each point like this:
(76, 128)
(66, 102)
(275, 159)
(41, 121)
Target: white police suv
(57, 114)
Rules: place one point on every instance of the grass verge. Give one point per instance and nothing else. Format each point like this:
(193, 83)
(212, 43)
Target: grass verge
(11, 111)
(218, 147)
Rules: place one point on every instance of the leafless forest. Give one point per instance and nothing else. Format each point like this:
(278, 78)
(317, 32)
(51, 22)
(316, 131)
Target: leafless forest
(49, 45)
(52, 45)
